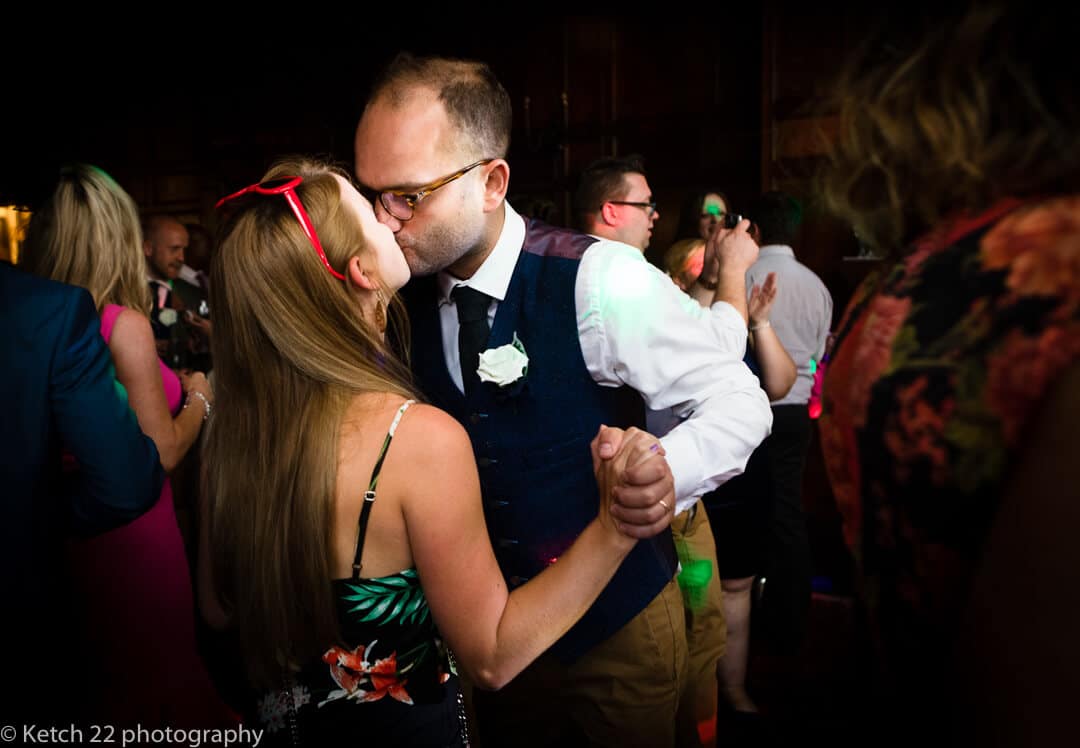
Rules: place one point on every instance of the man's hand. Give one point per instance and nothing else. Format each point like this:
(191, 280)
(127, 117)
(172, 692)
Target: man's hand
(761, 300)
(639, 479)
(729, 253)
(201, 324)
(605, 444)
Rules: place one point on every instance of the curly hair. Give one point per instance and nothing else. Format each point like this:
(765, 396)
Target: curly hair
(949, 117)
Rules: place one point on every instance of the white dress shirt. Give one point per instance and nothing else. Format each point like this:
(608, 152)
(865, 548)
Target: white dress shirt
(801, 314)
(195, 277)
(637, 328)
(162, 289)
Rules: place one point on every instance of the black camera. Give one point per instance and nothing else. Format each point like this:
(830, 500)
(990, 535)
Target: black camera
(731, 220)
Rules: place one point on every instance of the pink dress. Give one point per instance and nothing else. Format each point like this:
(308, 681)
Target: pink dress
(140, 616)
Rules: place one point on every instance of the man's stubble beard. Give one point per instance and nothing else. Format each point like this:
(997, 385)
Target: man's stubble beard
(440, 247)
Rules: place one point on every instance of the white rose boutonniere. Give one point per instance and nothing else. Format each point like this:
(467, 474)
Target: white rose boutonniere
(504, 365)
(167, 317)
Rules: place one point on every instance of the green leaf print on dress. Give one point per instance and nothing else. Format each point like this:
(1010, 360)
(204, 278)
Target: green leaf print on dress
(395, 599)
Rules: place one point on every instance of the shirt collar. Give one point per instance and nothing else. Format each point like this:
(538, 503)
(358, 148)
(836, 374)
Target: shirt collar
(493, 276)
(776, 250)
(189, 274)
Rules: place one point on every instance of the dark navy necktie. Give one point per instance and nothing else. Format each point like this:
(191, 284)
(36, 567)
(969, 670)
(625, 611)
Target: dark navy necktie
(472, 309)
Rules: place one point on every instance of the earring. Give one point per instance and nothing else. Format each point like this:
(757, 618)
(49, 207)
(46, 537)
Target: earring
(380, 312)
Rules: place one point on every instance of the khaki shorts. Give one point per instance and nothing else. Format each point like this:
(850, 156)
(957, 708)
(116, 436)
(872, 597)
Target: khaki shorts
(706, 629)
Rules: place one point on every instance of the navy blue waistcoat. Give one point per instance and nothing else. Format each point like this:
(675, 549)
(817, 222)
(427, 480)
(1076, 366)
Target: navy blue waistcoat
(531, 438)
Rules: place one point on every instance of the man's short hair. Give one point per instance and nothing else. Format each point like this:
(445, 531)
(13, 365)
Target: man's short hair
(778, 217)
(603, 180)
(476, 103)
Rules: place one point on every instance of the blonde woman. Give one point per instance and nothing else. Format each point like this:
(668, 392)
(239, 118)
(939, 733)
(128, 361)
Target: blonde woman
(684, 261)
(135, 579)
(88, 235)
(343, 535)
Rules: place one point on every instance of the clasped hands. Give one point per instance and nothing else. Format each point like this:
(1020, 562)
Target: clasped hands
(637, 489)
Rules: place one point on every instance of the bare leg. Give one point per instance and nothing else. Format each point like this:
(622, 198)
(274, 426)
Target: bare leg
(733, 663)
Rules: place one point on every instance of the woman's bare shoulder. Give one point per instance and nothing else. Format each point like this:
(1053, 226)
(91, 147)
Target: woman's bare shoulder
(430, 431)
(132, 326)
(430, 455)
(422, 428)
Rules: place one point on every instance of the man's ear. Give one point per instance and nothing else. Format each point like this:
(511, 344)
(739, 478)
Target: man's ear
(496, 183)
(147, 248)
(359, 277)
(610, 214)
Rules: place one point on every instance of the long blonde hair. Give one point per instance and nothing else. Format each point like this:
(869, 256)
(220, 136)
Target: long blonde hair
(87, 234)
(290, 352)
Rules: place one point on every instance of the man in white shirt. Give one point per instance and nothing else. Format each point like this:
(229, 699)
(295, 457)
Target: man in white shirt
(593, 318)
(614, 201)
(801, 317)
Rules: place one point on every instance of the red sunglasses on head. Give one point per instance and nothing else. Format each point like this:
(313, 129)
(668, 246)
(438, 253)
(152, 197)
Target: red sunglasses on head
(286, 186)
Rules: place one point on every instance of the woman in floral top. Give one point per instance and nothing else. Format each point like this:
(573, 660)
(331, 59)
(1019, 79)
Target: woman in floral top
(343, 536)
(953, 390)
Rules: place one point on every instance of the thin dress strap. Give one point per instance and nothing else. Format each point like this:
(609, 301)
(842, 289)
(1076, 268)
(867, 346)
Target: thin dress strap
(369, 495)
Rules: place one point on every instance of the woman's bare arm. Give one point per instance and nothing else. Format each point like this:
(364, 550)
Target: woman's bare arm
(137, 368)
(777, 368)
(494, 632)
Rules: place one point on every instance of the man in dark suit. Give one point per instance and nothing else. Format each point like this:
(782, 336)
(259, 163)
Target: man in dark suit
(600, 330)
(61, 397)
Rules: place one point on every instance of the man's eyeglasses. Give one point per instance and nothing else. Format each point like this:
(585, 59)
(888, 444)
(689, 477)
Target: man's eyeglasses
(650, 207)
(286, 186)
(401, 204)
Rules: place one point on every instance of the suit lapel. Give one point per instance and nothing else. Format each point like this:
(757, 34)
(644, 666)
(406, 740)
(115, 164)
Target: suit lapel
(506, 317)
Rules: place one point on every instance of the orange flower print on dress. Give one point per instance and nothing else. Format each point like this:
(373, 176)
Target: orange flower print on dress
(1020, 370)
(838, 441)
(352, 672)
(1040, 249)
(930, 394)
(916, 433)
(884, 318)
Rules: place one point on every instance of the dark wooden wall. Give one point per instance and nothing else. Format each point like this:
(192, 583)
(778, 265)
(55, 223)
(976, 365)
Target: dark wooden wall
(725, 99)
(717, 99)
(180, 125)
